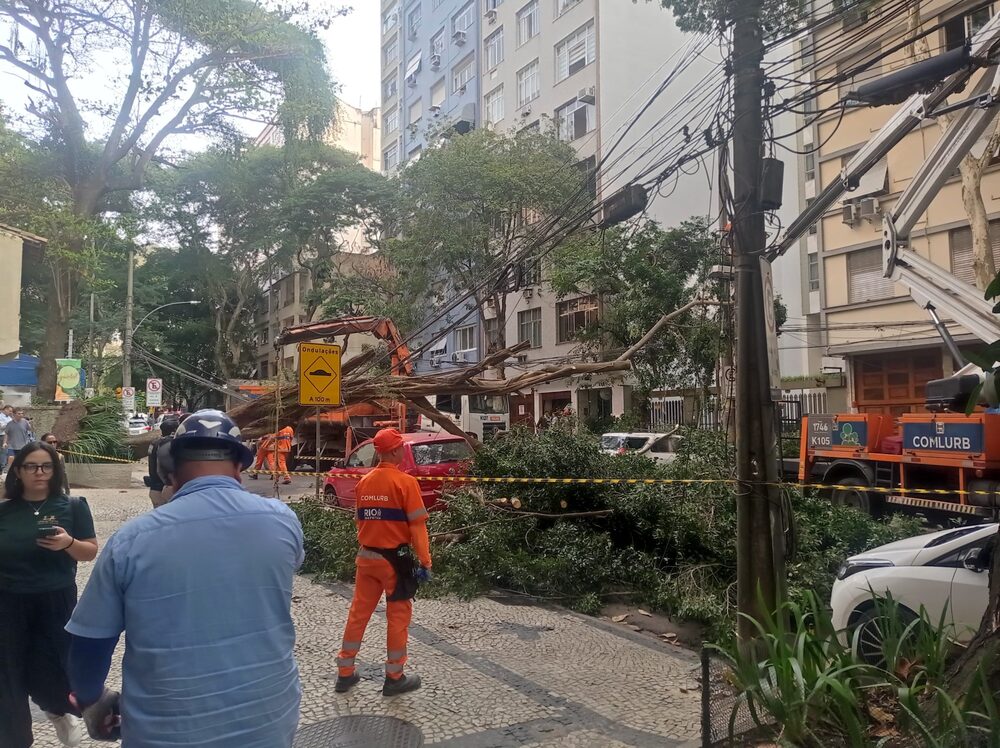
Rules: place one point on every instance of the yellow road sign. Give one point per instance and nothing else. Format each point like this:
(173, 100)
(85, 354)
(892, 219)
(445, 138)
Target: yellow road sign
(319, 374)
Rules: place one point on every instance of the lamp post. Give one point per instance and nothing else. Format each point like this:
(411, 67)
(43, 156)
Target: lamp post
(130, 336)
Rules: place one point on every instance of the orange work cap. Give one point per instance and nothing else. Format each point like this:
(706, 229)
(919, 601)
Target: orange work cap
(387, 440)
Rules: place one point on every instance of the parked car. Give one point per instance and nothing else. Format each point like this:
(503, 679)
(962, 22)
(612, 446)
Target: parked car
(944, 572)
(427, 456)
(138, 425)
(659, 447)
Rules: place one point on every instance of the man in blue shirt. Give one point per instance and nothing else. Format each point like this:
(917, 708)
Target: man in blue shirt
(202, 588)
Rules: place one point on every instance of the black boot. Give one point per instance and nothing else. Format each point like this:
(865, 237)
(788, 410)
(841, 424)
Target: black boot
(346, 683)
(401, 685)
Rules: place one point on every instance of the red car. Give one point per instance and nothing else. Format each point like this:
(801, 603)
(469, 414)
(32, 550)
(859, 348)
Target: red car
(427, 455)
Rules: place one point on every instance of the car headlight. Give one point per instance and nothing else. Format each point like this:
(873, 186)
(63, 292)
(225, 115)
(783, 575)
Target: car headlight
(849, 567)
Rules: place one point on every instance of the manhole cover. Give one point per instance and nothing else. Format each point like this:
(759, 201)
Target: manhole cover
(360, 731)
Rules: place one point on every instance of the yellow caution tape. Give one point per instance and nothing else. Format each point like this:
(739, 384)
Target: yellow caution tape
(97, 457)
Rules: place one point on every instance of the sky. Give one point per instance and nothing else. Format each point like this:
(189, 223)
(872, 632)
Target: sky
(352, 45)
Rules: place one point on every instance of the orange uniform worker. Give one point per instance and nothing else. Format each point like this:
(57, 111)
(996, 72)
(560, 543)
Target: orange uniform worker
(390, 516)
(284, 449)
(265, 453)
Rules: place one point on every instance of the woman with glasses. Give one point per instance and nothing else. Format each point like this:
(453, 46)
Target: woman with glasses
(43, 534)
(53, 441)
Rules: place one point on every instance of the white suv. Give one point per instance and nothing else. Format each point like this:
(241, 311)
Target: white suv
(941, 571)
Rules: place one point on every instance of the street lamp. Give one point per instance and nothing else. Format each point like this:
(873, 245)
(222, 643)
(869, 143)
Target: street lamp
(130, 333)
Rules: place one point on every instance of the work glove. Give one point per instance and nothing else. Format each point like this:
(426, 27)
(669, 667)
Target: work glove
(423, 575)
(103, 717)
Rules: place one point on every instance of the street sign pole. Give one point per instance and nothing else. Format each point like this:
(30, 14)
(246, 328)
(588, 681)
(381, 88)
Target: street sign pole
(319, 385)
(318, 474)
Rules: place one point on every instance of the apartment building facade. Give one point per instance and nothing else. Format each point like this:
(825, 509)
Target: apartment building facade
(886, 342)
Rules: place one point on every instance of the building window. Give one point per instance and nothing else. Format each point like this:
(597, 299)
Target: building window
(438, 93)
(588, 167)
(960, 241)
(491, 329)
(531, 272)
(414, 155)
(965, 25)
(865, 281)
(494, 49)
(389, 19)
(810, 166)
(492, 4)
(415, 113)
(814, 271)
(390, 52)
(575, 316)
(463, 20)
(529, 327)
(528, 87)
(575, 52)
(437, 44)
(390, 157)
(527, 22)
(391, 120)
(493, 105)
(465, 338)
(563, 5)
(463, 74)
(413, 21)
(389, 87)
(814, 226)
(851, 69)
(574, 120)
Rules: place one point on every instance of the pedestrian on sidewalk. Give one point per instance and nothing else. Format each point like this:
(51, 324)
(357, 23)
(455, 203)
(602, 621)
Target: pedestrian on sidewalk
(44, 534)
(391, 520)
(202, 590)
(17, 434)
(53, 441)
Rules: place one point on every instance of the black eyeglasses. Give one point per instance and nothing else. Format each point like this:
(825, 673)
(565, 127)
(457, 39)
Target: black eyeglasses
(53, 442)
(45, 468)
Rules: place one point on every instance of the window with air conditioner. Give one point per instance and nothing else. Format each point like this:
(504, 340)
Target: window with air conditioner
(563, 5)
(462, 74)
(960, 243)
(813, 271)
(464, 19)
(493, 105)
(528, 84)
(575, 52)
(437, 44)
(438, 93)
(574, 316)
(465, 338)
(391, 120)
(527, 22)
(865, 280)
(574, 120)
(529, 327)
(494, 49)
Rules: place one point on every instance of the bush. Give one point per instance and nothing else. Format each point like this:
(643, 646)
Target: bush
(667, 546)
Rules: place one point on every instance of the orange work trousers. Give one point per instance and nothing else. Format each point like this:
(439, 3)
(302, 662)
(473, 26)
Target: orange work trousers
(283, 464)
(373, 577)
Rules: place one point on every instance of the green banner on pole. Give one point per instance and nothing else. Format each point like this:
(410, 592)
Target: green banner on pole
(69, 379)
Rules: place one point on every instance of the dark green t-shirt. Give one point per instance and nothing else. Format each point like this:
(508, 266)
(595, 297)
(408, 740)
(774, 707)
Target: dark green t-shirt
(26, 566)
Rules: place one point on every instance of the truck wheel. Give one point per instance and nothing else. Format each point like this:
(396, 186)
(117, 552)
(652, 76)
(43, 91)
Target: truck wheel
(850, 491)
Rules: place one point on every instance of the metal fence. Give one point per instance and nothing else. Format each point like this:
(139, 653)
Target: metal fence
(718, 699)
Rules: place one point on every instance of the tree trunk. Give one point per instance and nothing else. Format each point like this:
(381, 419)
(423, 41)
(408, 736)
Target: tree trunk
(54, 346)
(984, 647)
(983, 266)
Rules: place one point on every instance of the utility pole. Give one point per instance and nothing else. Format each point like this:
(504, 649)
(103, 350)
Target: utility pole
(127, 340)
(760, 554)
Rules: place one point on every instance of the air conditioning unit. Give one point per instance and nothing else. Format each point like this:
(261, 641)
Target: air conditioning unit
(587, 95)
(869, 208)
(458, 37)
(459, 356)
(435, 62)
(491, 17)
(435, 108)
(528, 292)
(850, 214)
(524, 112)
(411, 81)
(436, 362)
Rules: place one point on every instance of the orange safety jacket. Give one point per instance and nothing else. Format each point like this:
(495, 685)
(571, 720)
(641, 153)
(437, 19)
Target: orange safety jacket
(285, 439)
(390, 512)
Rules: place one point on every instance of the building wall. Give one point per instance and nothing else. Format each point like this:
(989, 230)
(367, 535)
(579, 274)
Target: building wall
(883, 321)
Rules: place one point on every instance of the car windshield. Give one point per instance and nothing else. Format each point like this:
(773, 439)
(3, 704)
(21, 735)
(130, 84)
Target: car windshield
(137, 422)
(487, 404)
(435, 453)
(631, 443)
